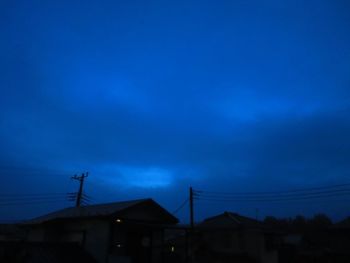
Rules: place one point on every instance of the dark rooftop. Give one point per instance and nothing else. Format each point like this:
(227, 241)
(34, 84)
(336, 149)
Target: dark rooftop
(100, 210)
(231, 220)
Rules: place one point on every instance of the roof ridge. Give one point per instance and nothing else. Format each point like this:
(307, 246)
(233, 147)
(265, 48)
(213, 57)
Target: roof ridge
(116, 202)
(230, 215)
(88, 210)
(246, 217)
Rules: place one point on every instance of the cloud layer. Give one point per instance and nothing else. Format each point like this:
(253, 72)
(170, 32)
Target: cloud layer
(154, 97)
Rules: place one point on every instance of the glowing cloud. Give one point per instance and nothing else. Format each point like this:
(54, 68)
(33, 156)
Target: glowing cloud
(141, 177)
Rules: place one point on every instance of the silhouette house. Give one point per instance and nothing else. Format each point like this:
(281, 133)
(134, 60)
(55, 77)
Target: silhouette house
(235, 238)
(130, 231)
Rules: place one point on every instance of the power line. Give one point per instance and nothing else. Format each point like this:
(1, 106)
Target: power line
(277, 192)
(87, 197)
(42, 198)
(314, 193)
(191, 196)
(46, 198)
(80, 191)
(181, 206)
(31, 199)
(31, 202)
(30, 170)
(281, 195)
(30, 194)
(276, 199)
(86, 202)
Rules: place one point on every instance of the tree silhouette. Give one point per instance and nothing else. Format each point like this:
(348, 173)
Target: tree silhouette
(320, 221)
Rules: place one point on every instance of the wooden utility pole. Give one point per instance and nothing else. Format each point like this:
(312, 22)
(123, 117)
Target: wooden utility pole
(80, 192)
(191, 208)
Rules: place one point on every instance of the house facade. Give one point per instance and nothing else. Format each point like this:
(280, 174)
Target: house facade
(131, 231)
(230, 237)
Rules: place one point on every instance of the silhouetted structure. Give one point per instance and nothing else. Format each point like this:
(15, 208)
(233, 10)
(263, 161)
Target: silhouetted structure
(43, 252)
(131, 231)
(313, 240)
(11, 232)
(230, 237)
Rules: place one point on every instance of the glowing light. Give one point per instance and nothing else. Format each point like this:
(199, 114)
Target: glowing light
(118, 220)
(172, 249)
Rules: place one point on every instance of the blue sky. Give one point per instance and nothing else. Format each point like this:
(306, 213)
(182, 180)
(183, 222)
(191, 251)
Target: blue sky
(153, 96)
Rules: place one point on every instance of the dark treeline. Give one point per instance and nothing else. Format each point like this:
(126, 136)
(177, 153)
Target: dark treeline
(299, 223)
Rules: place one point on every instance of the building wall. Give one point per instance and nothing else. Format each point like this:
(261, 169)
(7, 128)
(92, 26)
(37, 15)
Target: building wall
(35, 234)
(270, 251)
(135, 241)
(250, 242)
(157, 246)
(270, 257)
(147, 213)
(92, 235)
(225, 241)
(254, 243)
(97, 239)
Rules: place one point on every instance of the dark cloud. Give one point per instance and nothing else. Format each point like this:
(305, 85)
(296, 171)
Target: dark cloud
(226, 97)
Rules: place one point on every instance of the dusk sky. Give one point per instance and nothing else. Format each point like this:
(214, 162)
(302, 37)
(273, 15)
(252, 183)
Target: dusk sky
(151, 97)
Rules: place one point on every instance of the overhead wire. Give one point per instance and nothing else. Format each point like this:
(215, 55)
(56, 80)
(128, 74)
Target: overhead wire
(31, 202)
(180, 207)
(41, 198)
(339, 190)
(280, 191)
(287, 195)
(30, 194)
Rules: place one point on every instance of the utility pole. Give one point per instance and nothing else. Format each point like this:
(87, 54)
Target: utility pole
(80, 192)
(191, 208)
